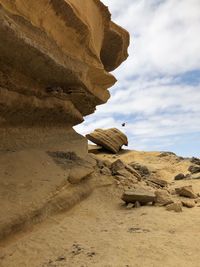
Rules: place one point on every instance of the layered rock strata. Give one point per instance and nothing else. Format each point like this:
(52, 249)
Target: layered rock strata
(55, 58)
(110, 139)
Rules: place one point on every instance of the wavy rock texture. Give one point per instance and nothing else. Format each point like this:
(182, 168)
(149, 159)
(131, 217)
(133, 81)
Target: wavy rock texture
(110, 139)
(55, 58)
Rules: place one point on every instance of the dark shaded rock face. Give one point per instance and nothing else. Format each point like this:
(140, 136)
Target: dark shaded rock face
(55, 58)
(195, 161)
(179, 176)
(194, 169)
(141, 195)
(143, 170)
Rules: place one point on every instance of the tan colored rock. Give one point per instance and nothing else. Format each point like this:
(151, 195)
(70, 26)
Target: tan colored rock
(119, 168)
(177, 207)
(189, 203)
(141, 169)
(141, 195)
(105, 171)
(110, 139)
(117, 165)
(124, 173)
(94, 149)
(107, 163)
(120, 179)
(133, 171)
(128, 177)
(186, 191)
(158, 181)
(55, 58)
(163, 198)
(78, 173)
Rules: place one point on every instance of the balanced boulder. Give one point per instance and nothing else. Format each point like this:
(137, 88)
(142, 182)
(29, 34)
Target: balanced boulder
(117, 165)
(157, 181)
(110, 139)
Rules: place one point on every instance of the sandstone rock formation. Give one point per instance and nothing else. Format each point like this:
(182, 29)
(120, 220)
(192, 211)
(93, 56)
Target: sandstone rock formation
(186, 191)
(110, 139)
(163, 198)
(141, 195)
(55, 58)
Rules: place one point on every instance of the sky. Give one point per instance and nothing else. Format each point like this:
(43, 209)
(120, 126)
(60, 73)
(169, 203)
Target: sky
(158, 90)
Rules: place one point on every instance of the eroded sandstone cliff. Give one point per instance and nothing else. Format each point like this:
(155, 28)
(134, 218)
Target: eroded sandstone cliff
(55, 58)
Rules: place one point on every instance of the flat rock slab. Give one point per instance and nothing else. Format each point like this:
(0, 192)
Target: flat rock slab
(158, 181)
(141, 195)
(94, 149)
(195, 176)
(133, 171)
(119, 166)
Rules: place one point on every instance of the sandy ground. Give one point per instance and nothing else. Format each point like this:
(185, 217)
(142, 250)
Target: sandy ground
(100, 231)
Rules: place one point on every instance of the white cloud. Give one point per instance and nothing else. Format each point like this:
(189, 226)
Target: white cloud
(161, 110)
(165, 38)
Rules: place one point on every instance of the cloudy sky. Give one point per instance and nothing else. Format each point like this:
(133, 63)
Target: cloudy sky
(158, 88)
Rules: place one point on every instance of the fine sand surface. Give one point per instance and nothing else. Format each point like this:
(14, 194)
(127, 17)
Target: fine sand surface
(101, 231)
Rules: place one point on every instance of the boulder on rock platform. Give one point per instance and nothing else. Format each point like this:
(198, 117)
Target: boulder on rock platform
(110, 139)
